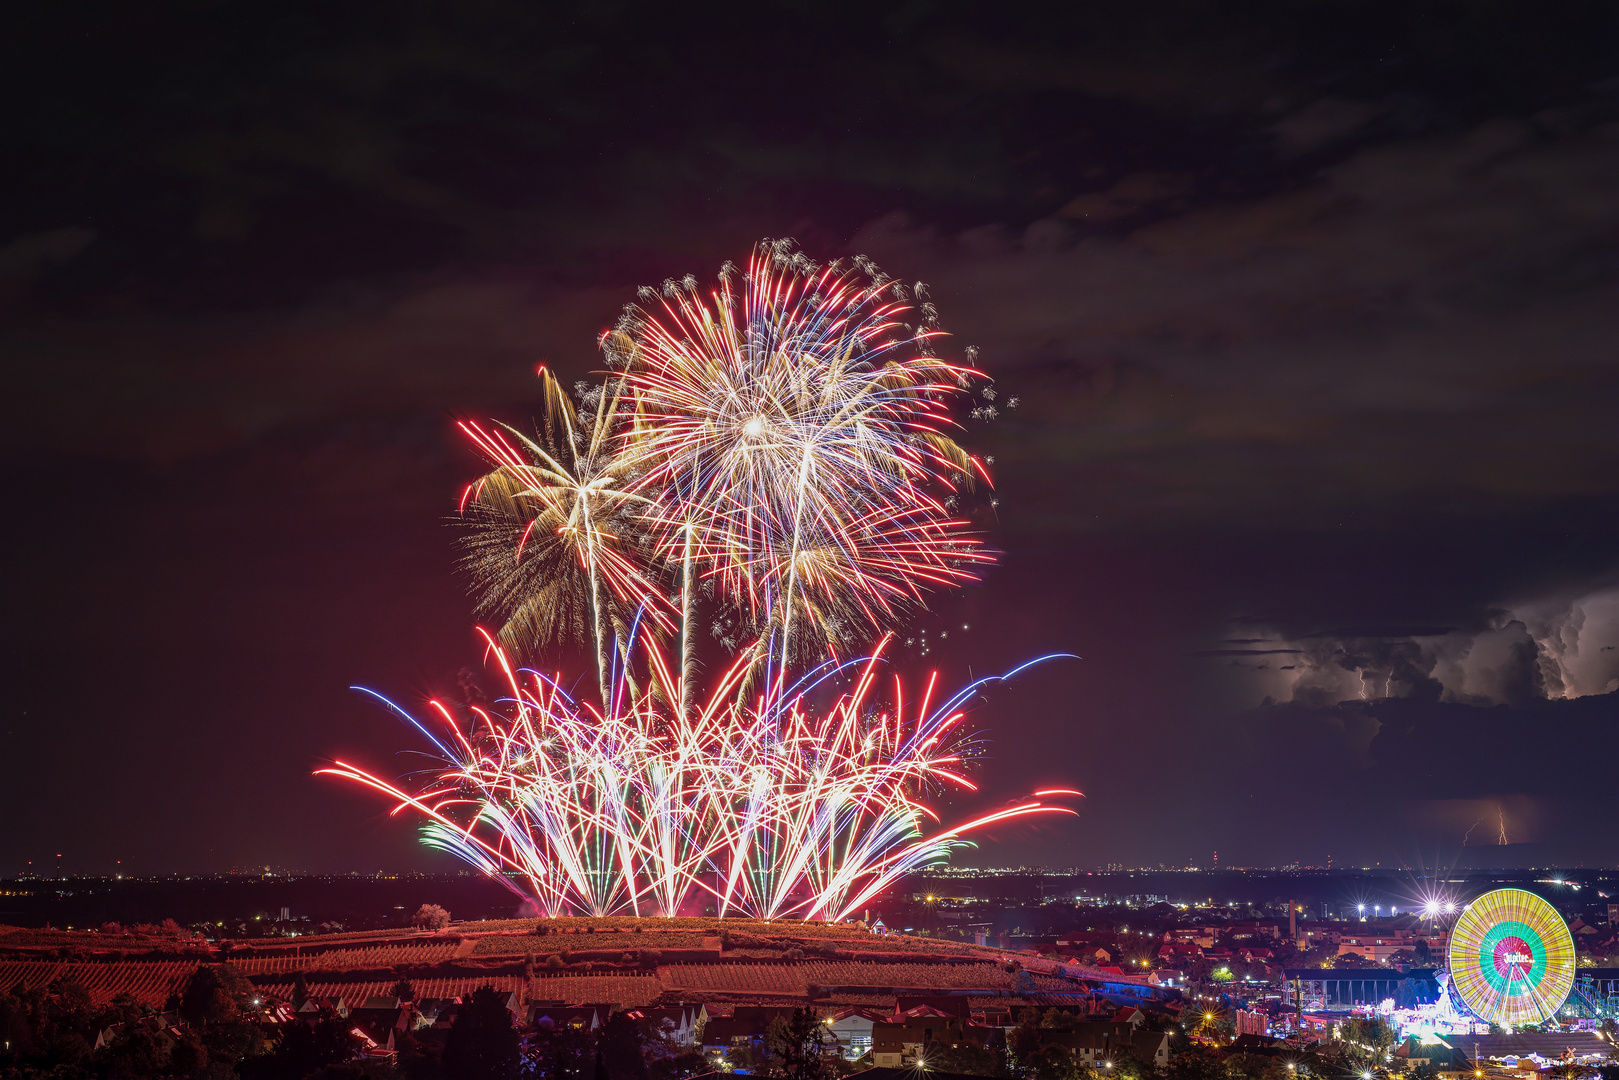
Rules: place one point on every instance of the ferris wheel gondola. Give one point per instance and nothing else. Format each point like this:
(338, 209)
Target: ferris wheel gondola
(1511, 958)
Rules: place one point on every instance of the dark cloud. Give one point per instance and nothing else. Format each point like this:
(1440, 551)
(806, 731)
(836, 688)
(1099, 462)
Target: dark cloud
(1307, 311)
(1410, 770)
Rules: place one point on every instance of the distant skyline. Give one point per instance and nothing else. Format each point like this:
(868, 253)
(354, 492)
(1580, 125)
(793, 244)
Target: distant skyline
(1309, 316)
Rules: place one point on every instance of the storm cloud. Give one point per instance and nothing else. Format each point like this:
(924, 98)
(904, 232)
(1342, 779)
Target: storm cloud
(1302, 322)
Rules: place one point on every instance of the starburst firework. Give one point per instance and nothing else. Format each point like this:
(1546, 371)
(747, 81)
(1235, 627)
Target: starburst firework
(793, 430)
(765, 806)
(778, 450)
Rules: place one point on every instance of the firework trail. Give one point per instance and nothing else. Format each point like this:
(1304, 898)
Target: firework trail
(770, 808)
(778, 450)
(793, 431)
(557, 544)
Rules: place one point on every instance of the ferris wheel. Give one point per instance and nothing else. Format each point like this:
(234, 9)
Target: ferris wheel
(1511, 958)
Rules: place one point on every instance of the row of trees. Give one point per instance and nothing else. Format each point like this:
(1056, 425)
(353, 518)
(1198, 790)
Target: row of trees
(54, 1031)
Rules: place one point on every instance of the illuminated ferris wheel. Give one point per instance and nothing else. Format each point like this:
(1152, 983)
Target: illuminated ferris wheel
(1511, 958)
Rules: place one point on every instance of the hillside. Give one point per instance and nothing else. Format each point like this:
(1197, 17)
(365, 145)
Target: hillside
(625, 961)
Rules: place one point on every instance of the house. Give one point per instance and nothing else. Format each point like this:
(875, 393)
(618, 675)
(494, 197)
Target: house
(906, 1039)
(910, 1074)
(852, 1029)
(166, 1035)
(1378, 948)
(1317, 935)
(1248, 1023)
(746, 1026)
(380, 1024)
(1093, 1043)
(1151, 1046)
(1566, 1047)
(435, 1013)
(584, 1017)
(1171, 977)
(674, 1025)
(334, 1005)
(1180, 955)
(1129, 1014)
(944, 1004)
(372, 1046)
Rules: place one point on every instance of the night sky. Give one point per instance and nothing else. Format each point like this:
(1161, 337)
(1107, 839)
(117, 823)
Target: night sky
(1311, 311)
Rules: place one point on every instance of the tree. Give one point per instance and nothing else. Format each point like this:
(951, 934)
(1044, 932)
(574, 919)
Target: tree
(134, 1052)
(1255, 1067)
(1049, 1063)
(482, 1044)
(1127, 1066)
(300, 990)
(1024, 1039)
(206, 1000)
(1205, 1023)
(1057, 1021)
(1365, 1041)
(798, 1046)
(431, 917)
(563, 1052)
(304, 1049)
(404, 991)
(188, 1056)
(970, 1059)
(623, 1049)
(1193, 1064)
(1574, 1072)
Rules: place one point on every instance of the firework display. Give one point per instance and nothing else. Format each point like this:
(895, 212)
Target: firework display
(773, 462)
(794, 432)
(1511, 958)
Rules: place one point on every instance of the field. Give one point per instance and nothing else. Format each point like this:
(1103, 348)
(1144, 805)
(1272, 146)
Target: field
(625, 961)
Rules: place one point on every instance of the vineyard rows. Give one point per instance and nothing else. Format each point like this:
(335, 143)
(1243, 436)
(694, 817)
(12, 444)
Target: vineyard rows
(377, 956)
(577, 924)
(904, 974)
(150, 982)
(628, 990)
(796, 978)
(518, 944)
(355, 993)
(758, 978)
